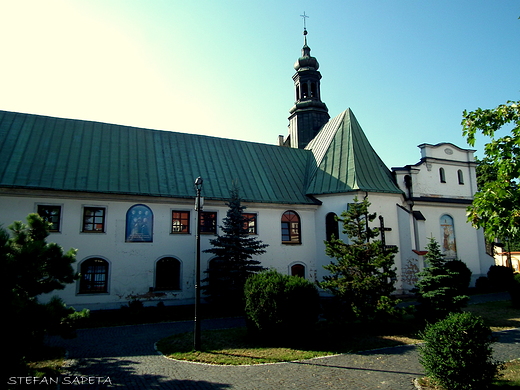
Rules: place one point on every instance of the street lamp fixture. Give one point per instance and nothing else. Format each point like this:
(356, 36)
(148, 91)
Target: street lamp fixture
(198, 208)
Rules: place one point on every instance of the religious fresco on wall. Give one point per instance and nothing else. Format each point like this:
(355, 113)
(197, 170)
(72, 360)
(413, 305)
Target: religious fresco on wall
(448, 244)
(139, 224)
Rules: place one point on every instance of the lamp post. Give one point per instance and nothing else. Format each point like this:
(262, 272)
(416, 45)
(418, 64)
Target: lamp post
(198, 208)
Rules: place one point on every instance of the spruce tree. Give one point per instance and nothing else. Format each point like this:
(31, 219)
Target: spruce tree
(363, 275)
(233, 262)
(438, 291)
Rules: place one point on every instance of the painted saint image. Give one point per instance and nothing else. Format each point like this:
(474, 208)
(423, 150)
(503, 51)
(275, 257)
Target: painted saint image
(139, 224)
(449, 246)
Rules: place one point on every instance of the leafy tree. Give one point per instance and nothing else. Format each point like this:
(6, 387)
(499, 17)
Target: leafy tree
(363, 275)
(33, 267)
(487, 172)
(439, 289)
(496, 205)
(234, 251)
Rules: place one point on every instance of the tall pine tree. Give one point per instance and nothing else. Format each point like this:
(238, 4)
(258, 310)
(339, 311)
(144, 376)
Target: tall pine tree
(363, 275)
(233, 262)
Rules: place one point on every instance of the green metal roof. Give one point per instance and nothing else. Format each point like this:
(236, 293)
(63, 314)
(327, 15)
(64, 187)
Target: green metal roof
(42, 152)
(345, 160)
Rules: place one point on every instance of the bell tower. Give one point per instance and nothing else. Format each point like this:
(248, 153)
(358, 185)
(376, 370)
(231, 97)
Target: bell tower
(309, 113)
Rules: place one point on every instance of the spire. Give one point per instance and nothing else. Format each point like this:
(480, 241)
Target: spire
(306, 61)
(304, 17)
(309, 113)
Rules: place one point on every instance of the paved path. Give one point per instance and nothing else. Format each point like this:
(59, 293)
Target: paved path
(127, 356)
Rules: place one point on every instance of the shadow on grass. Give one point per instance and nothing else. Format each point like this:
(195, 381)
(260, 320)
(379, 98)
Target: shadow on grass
(237, 347)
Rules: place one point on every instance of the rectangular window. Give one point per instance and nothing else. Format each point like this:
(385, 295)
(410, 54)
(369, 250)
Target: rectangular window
(250, 222)
(94, 219)
(51, 214)
(180, 222)
(208, 222)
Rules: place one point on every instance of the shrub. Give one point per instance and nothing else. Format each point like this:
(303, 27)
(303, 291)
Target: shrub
(482, 284)
(500, 277)
(461, 274)
(457, 354)
(279, 305)
(514, 291)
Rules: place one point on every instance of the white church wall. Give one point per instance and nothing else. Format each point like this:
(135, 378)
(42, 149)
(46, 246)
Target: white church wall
(132, 264)
(381, 204)
(469, 241)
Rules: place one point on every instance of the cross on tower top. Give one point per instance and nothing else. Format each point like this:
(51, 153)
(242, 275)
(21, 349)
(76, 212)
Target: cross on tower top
(304, 17)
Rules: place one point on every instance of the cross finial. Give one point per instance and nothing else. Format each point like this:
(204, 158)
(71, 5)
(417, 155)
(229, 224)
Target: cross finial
(304, 23)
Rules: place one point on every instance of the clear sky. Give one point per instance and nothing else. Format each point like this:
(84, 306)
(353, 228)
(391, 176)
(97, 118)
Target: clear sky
(406, 68)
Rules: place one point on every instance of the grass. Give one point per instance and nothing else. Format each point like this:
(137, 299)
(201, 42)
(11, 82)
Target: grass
(236, 347)
(231, 347)
(497, 315)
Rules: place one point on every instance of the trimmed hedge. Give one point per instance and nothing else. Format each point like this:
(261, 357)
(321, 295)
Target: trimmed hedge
(280, 305)
(457, 353)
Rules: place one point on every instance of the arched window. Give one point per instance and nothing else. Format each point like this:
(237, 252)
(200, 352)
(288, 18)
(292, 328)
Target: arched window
(305, 91)
(314, 92)
(94, 276)
(442, 175)
(448, 245)
(298, 270)
(291, 228)
(331, 226)
(460, 176)
(168, 274)
(139, 224)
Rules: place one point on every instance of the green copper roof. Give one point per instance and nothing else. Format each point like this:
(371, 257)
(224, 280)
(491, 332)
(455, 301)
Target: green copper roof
(345, 160)
(42, 152)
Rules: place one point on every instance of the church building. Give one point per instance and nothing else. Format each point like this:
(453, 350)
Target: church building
(125, 197)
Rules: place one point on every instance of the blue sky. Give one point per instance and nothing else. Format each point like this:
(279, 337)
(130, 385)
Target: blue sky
(407, 68)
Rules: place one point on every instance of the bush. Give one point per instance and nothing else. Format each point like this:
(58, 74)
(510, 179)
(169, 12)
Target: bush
(279, 305)
(457, 354)
(500, 277)
(461, 274)
(482, 285)
(514, 291)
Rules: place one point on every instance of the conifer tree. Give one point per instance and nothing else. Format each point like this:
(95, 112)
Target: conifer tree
(363, 275)
(33, 267)
(438, 292)
(234, 251)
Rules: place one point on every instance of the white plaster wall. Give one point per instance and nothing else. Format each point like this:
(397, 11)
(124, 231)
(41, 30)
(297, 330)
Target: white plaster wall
(427, 181)
(381, 204)
(469, 241)
(132, 265)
